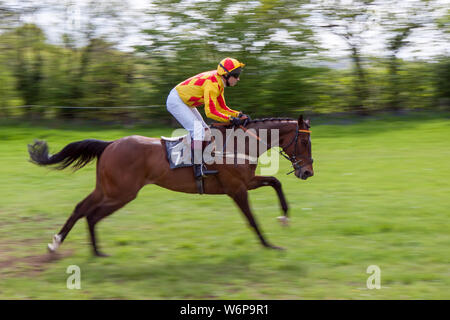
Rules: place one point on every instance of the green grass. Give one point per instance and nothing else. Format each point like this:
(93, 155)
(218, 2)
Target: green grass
(380, 196)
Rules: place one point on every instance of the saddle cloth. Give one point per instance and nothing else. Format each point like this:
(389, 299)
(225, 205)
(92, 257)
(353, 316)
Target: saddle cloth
(178, 150)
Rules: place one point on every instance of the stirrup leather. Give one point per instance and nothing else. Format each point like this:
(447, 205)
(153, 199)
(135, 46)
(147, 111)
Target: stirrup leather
(200, 172)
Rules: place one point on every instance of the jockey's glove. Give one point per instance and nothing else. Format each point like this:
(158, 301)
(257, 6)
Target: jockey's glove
(236, 122)
(244, 117)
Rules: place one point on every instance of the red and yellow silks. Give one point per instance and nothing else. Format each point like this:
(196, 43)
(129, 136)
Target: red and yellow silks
(206, 88)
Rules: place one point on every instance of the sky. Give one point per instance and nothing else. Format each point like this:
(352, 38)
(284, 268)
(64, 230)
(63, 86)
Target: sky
(424, 43)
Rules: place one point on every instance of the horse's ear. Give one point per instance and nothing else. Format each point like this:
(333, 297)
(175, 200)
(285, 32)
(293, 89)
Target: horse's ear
(300, 120)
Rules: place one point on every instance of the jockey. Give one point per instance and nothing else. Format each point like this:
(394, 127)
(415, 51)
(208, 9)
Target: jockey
(205, 89)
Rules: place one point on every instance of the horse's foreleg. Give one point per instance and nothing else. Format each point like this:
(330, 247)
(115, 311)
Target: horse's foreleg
(260, 181)
(241, 199)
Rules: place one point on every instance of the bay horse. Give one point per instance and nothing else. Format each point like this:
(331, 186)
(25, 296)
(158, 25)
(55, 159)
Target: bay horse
(125, 165)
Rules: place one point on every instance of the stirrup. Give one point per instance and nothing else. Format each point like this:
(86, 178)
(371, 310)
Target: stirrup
(208, 172)
(199, 183)
(201, 172)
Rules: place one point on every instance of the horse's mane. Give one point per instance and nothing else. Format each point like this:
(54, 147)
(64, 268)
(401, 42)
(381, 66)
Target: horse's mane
(271, 119)
(276, 119)
(221, 125)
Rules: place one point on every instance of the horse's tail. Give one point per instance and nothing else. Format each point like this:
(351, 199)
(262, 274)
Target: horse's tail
(76, 154)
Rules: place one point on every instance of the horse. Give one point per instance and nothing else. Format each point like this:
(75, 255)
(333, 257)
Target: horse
(126, 165)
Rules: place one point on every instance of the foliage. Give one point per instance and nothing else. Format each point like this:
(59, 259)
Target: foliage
(286, 70)
(442, 81)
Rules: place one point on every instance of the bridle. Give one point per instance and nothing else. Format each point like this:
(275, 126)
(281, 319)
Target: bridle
(293, 159)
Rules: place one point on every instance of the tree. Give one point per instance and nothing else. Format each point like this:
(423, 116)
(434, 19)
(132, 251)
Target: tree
(399, 23)
(28, 63)
(350, 20)
(90, 23)
(188, 37)
(442, 81)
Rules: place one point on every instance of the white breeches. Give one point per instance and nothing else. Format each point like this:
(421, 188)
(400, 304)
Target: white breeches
(188, 117)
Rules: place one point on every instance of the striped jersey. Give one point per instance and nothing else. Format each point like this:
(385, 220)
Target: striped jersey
(206, 88)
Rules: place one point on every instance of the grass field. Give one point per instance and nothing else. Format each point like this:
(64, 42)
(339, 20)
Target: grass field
(380, 196)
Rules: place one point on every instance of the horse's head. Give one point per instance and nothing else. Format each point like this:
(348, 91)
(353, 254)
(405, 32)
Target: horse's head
(298, 149)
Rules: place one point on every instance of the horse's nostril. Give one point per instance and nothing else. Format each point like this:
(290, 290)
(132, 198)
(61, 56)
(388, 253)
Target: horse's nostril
(307, 174)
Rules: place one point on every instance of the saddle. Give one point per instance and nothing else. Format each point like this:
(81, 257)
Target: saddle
(179, 154)
(178, 150)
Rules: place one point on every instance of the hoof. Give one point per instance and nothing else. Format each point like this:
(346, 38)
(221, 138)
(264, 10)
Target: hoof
(271, 246)
(52, 247)
(101, 254)
(284, 221)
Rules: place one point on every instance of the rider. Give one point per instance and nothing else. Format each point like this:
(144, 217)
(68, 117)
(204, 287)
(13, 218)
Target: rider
(205, 88)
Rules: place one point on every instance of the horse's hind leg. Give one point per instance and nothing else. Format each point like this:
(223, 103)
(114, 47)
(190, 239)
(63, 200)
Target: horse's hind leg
(80, 210)
(101, 212)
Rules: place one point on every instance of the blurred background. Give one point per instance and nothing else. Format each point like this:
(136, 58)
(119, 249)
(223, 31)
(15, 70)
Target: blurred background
(117, 60)
(373, 76)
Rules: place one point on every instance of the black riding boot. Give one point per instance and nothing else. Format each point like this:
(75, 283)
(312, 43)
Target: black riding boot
(199, 167)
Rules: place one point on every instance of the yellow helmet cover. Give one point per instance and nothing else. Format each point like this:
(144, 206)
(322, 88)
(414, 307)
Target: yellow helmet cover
(227, 65)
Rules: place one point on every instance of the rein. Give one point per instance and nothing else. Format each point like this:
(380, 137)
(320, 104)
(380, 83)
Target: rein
(293, 159)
